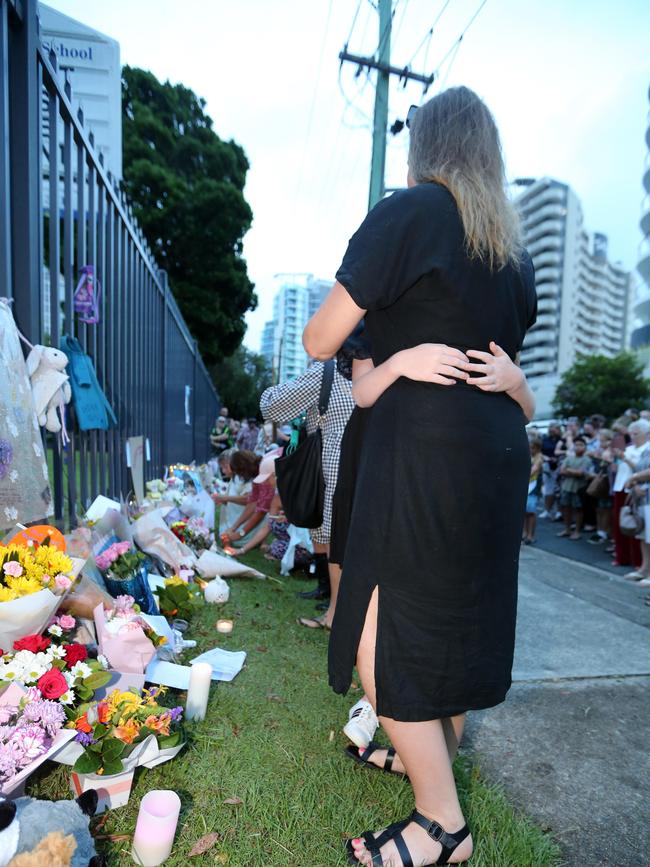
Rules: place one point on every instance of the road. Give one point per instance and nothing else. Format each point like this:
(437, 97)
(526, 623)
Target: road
(570, 744)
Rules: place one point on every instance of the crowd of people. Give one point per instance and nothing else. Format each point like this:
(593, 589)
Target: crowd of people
(584, 474)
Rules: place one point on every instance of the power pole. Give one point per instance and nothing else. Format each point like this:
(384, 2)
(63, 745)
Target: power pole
(381, 62)
(380, 120)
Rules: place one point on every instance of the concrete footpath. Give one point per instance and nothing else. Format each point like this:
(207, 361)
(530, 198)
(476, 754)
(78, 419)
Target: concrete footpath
(571, 744)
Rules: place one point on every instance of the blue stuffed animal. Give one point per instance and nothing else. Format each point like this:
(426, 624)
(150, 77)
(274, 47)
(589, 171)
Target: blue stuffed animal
(59, 828)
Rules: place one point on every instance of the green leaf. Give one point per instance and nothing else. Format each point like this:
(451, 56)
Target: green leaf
(99, 731)
(113, 747)
(172, 740)
(88, 763)
(113, 766)
(97, 679)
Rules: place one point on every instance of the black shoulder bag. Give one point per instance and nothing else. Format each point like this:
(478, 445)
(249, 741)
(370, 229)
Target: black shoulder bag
(299, 473)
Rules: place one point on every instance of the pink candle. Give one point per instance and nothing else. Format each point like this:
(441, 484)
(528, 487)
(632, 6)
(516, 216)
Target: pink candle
(156, 827)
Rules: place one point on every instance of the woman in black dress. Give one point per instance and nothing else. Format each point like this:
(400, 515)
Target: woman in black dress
(427, 603)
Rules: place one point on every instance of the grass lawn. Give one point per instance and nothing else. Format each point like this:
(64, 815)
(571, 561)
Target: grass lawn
(272, 741)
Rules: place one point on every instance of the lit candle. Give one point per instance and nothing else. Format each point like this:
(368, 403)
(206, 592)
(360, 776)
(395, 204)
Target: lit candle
(224, 626)
(156, 828)
(199, 691)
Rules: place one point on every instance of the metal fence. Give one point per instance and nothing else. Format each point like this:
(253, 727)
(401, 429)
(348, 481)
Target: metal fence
(59, 211)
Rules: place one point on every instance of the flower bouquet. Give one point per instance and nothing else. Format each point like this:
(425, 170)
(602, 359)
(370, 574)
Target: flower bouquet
(33, 579)
(31, 729)
(125, 574)
(124, 637)
(58, 670)
(116, 735)
(179, 598)
(194, 533)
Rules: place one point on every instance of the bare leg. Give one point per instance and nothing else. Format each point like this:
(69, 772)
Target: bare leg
(578, 514)
(335, 580)
(644, 568)
(424, 751)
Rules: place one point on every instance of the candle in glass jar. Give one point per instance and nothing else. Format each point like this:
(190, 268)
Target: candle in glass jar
(198, 691)
(156, 828)
(224, 626)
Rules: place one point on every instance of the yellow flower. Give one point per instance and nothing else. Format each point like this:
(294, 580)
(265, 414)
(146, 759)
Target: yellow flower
(125, 702)
(127, 731)
(24, 586)
(7, 594)
(175, 581)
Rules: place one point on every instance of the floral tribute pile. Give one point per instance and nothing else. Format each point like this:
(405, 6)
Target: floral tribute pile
(109, 729)
(27, 730)
(194, 533)
(27, 569)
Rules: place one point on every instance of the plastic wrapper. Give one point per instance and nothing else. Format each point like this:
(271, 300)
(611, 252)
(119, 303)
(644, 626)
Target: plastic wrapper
(153, 536)
(199, 505)
(298, 537)
(29, 615)
(12, 696)
(84, 597)
(129, 651)
(210, 564)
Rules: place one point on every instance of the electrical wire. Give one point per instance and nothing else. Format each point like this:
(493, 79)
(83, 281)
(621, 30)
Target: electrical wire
(429, 34)
(354, 21)
(456, 44)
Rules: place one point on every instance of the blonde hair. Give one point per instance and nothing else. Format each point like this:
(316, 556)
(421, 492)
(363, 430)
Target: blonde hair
(455, 142)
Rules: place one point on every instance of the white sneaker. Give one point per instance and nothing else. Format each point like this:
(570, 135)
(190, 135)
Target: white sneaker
(362, 724)
(544, 514)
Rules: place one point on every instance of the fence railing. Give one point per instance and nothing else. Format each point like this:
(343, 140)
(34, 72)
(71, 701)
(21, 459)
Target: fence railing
(60, 210)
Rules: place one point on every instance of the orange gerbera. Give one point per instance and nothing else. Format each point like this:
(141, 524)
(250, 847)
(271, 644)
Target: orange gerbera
(127, 732)
(159, 724)
(82, 724)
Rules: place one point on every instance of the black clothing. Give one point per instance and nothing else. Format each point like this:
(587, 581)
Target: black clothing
(444, 470)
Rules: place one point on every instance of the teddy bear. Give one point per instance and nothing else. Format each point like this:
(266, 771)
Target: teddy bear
(50, 385)
(36, 833)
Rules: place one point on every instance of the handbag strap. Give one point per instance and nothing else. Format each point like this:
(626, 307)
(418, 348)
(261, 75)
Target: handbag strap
(326, 387)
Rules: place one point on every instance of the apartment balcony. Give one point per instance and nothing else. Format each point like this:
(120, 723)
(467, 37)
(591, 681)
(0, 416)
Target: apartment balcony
(554, 226)
(539, 368)
(544, 321)
(645, 224)
(646, 180)
(547, 273)
(535, 217)
(546, 305)
(547, 259)
(537, 353)
(547, 291)
(549, 242)
(644, 268)
(546, 196)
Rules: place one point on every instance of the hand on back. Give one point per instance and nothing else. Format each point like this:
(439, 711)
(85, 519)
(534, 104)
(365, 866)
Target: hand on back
(500, 373)
(433, 362)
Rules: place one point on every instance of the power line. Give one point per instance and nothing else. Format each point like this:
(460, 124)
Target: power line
(428, 35)
(354, 21)
(456, 44)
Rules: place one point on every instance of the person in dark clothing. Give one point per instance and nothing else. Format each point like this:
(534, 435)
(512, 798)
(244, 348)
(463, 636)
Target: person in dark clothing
(427, 602)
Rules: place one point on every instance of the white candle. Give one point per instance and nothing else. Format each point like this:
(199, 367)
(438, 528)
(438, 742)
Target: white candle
(199, 691)
(224, 626)
(156, 828)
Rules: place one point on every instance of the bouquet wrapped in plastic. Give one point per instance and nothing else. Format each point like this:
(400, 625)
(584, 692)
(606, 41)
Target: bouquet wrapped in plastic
(124, 638)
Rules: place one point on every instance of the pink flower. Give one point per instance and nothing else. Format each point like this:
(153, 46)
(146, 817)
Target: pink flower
(122, 547)
(46, 579)
(66, 621)
(185, 574)
(62, 582)
(13, 568)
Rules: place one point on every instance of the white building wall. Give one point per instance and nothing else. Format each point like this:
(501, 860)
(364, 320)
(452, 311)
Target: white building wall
(92, 62)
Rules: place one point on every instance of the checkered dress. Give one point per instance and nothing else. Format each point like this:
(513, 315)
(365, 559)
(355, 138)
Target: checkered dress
(282, 403)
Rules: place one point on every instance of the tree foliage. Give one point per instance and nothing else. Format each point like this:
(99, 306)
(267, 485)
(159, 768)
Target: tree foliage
(241, 379)
(596, 383)
(186, 187)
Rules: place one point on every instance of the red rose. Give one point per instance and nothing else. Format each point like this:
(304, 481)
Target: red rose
(75, 653)
(35, 643)
(52, 684)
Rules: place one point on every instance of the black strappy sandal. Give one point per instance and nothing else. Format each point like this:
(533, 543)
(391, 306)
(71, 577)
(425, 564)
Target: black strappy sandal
(375, 842)
(449, 842)
(353, 753)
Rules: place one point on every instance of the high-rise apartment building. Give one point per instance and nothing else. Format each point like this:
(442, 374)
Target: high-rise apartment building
(582, 298)
(297, 299)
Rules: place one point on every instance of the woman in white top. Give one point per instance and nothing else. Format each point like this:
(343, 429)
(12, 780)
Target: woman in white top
(234, 500)
(628, 549)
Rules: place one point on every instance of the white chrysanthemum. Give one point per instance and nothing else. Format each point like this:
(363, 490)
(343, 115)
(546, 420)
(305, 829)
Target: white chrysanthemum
(26, 657)
(57, 652)
(101, 659)
(11, 671)
(32, 673)
(55, 629)
(67, 697)
(81, 669)
(44, 657)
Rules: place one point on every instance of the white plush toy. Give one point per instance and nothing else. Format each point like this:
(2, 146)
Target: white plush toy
(50, 385)
(217, 591)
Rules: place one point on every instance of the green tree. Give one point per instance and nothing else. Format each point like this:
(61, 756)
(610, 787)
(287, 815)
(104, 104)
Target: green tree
(596, 383)
(186, 188)
(240, 380)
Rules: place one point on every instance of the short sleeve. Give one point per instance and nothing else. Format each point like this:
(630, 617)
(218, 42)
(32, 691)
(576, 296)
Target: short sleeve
(398, 242)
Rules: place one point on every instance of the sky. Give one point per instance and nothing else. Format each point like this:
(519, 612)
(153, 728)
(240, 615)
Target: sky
(567, 83)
